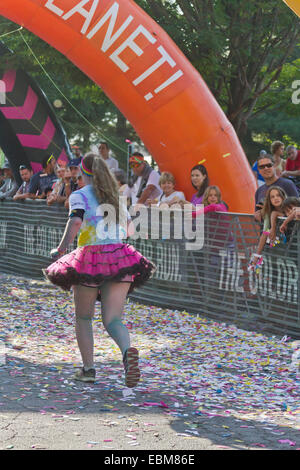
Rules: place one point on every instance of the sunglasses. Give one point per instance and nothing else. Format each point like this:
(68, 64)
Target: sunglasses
(134, 165)
(267, 165)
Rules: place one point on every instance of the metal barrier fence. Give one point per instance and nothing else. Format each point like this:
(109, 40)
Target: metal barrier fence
(212, 281)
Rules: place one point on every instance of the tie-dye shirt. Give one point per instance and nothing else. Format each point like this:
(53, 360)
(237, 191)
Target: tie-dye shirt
(96, 228)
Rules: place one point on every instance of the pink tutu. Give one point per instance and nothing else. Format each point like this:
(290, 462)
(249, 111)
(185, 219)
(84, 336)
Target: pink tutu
(95, 264)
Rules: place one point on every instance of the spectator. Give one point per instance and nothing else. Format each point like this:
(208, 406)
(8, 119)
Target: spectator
(292, 168)
(290, 208)
(77, 152)
(277, 150)
(71, 179)
(23, 191)
(9, 187)
(271, 210)
(265, 165)
(80, 181)
(74, 166)
(212, 201)
(169, 195)
(145, 184)
(121, 180)
(260, 180)
(48, 193)
(58, 190)
(200, 181)
(111, 162)
(40, 181)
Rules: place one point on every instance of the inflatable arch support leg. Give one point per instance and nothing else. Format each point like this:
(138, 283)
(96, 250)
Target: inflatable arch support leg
(148, 78)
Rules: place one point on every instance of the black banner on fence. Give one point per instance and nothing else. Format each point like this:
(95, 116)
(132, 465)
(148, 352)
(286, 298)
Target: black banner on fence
(212, 281)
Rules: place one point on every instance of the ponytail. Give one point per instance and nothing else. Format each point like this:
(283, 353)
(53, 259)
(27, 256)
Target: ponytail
(104, 184)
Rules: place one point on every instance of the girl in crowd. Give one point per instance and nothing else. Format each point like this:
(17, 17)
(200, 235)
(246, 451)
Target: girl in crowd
(58, 191)
(212, 201)
(272, 209)
(102, 266)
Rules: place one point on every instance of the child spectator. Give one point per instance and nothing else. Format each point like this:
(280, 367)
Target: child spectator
(71, 179)
(289, 208)
(272, 208)
(58, 191)
(212, 201)
(80, 181)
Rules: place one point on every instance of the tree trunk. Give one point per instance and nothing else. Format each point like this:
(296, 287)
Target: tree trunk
(121, 127)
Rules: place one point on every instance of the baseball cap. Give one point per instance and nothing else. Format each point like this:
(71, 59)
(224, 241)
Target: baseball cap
(74, 162)
(6, 166)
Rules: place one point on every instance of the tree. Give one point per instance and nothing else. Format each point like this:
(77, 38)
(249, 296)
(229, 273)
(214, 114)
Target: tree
(277, 116)
(239, 47)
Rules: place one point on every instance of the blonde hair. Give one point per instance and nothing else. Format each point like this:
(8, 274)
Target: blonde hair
(166, 176)
(276, 145)
(105, 185)
(206, 194)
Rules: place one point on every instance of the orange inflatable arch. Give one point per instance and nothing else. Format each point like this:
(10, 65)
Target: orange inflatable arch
(148, 78)
(294, 5)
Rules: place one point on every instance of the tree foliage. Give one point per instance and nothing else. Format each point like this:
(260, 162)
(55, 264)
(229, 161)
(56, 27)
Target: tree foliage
(247, 52)
(240, 48)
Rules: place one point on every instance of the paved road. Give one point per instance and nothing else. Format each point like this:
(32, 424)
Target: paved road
(204, 385)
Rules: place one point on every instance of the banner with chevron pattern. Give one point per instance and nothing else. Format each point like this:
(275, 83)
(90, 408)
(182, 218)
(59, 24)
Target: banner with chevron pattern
(29, 128)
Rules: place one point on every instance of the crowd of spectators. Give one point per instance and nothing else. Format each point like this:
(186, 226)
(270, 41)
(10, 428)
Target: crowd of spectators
(149, 187)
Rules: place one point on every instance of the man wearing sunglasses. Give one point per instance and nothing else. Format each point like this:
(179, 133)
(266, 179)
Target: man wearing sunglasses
(265, 165)
(43, 179)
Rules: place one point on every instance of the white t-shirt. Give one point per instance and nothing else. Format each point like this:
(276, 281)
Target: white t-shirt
(164, 198)
(152, 180)
(112, 163)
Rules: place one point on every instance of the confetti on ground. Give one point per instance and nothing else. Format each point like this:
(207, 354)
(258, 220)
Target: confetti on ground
(194, 370)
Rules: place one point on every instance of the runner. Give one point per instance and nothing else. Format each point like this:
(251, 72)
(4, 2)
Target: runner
(102, 267)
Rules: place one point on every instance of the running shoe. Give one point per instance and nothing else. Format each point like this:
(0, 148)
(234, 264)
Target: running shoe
(131, 366)
(85, 375)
